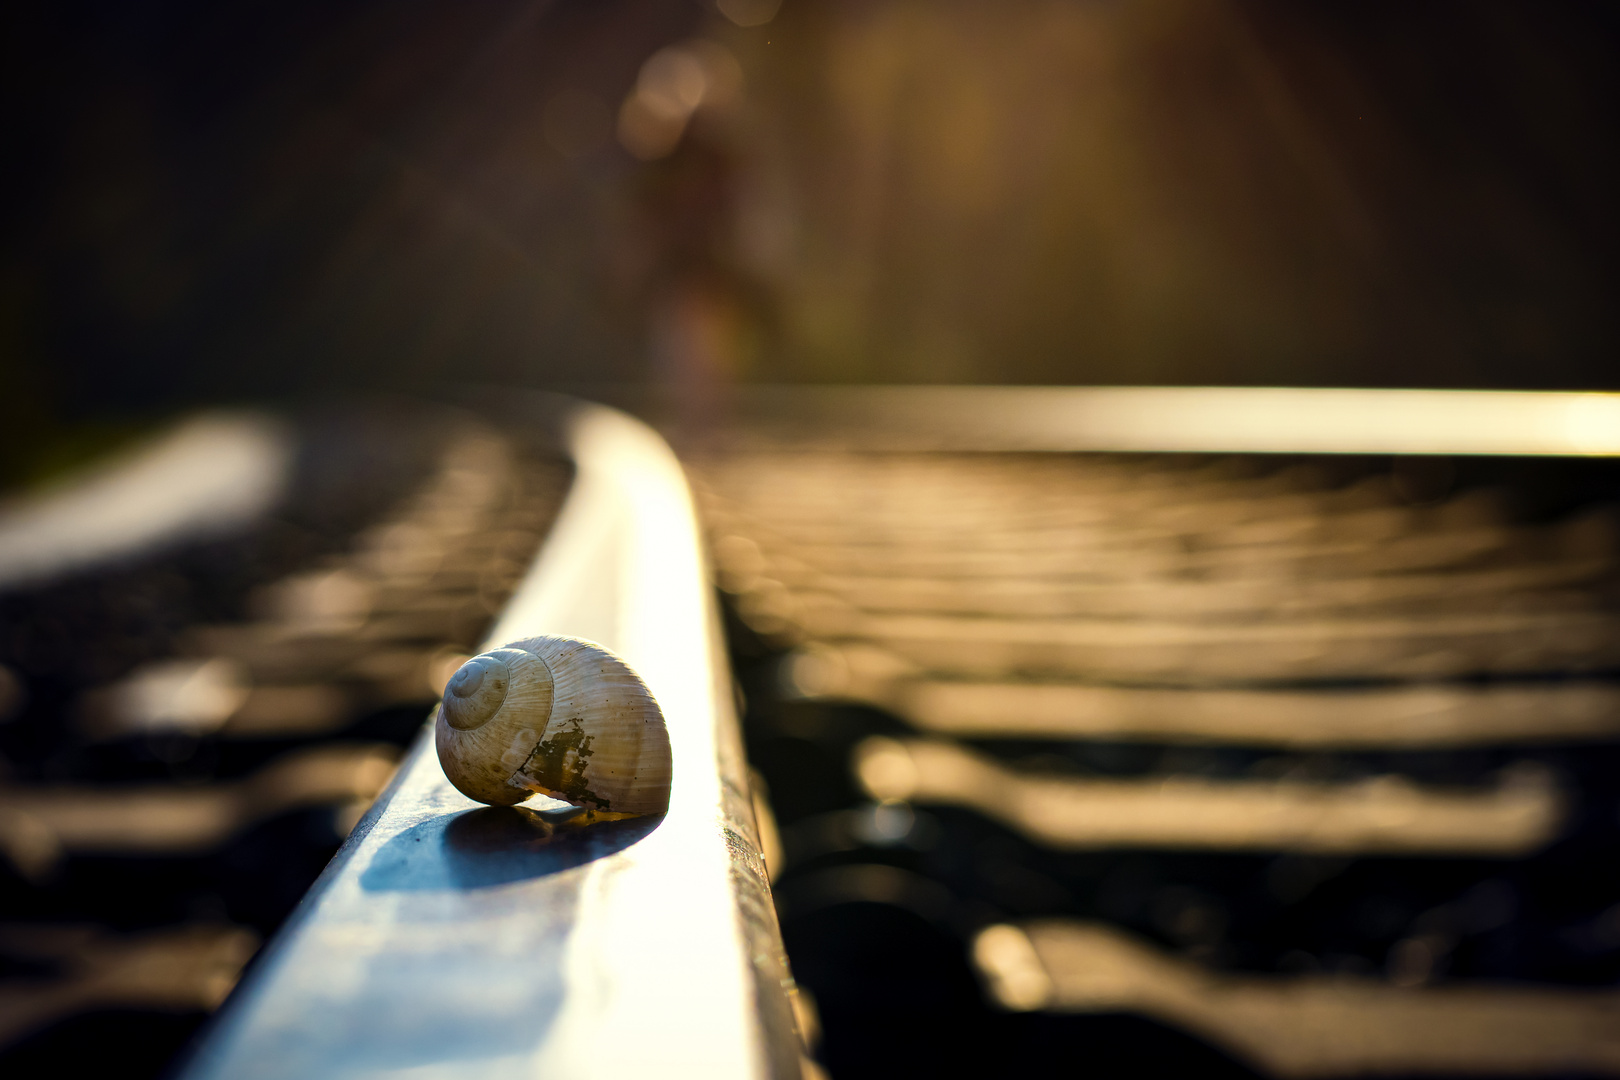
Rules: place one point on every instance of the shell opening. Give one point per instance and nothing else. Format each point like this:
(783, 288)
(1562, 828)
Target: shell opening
(475, 692)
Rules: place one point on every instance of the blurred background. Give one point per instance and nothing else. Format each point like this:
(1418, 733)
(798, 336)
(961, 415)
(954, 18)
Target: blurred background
(296, 200)
(275, 249)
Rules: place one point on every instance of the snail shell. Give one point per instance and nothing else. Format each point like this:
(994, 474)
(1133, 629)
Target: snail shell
(559, 716)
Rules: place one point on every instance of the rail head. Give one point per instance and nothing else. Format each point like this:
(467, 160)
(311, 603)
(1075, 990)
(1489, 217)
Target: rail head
(1191, 419)
(451, 939)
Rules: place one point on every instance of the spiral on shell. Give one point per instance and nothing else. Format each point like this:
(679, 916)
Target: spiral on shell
(555, 716)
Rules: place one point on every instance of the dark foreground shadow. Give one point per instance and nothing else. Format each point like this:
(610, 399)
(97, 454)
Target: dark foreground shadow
(495, 846)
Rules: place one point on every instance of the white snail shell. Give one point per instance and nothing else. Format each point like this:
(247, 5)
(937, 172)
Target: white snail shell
(559, 716)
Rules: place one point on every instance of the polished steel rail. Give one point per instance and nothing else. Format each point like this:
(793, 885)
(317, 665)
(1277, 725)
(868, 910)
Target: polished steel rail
(449, 940)
(1199, 419)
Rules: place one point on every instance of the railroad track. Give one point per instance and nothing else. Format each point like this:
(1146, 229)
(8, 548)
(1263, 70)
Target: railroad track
(1067, 754)
(1306, 762)
(198, 711)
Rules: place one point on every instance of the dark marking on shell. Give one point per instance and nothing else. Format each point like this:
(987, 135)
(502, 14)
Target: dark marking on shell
(558, 764)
